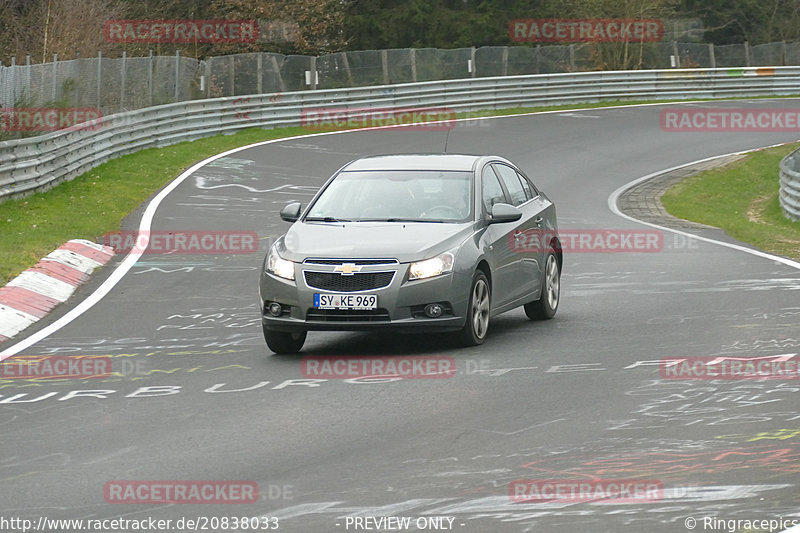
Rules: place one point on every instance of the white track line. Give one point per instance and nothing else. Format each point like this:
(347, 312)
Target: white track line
(147, 217)
(612, 205)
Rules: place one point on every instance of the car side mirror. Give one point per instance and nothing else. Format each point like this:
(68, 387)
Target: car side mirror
(504, 213)
(291, 212)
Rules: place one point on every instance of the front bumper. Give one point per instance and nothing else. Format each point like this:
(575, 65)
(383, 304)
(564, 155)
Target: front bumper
(400, 303)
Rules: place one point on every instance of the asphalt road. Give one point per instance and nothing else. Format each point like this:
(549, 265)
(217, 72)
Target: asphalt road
(197, 395)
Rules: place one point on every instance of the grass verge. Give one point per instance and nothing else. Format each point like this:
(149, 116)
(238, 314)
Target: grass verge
(742, 199)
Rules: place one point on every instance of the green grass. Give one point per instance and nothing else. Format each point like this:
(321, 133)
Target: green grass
(95, 203)
(742, 199)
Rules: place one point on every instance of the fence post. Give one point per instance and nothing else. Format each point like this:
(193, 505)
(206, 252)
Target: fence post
(538, 58)
(747, 60)
(260, 73)
(572, 57)
(472, 59)
(783, 53)
(385, 66)
(313, 73)
(413, 52)
(122, 76)
(77, 99)
(712, 55)
(150, 78)
(676, 54)
(55, 77)
(99, 79)
(277, 69)
(347, 69)
(232, 75)
(177, 75)
(13, 76)
(505, 61)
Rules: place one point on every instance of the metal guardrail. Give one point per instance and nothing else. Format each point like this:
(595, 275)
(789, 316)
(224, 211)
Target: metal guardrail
(38, 163)
(789, 192)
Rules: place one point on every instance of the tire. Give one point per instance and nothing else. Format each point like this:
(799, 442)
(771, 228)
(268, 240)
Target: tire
(284, 342)
(546, 306)
(477, 325)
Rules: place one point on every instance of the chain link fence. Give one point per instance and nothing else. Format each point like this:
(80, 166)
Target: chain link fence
(127, 83)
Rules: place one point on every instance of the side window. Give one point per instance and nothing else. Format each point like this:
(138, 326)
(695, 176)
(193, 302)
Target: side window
(528, 185)
(492, 191)
(512, 183)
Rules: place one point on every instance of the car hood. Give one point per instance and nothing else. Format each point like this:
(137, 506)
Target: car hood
(404, 241)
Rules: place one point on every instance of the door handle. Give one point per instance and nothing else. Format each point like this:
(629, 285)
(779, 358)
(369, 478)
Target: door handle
(538, 220)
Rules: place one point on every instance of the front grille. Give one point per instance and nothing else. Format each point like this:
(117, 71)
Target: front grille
(351, 261)
(335, 282)
(347, 315)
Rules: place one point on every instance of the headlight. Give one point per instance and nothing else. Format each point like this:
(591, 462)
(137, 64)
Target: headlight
(435, 266)
(279, 266)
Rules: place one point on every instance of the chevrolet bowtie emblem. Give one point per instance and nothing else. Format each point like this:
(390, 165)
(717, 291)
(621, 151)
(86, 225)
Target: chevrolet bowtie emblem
(347, 269)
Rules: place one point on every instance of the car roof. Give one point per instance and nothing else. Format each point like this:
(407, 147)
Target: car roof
(456, 162)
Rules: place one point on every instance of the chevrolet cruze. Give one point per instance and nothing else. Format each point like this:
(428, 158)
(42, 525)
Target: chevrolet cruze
(422, 242)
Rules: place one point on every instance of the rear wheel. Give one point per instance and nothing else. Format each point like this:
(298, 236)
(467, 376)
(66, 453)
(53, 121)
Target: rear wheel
(284, 341)
(477, 325)
(546, 306)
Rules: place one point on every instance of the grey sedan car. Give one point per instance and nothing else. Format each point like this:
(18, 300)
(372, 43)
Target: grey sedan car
(424, 242)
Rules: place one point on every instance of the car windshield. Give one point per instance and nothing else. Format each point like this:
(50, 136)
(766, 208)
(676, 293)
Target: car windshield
(395, 196)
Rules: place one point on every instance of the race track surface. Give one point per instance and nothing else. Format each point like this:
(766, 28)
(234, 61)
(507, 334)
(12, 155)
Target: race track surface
(198, 396)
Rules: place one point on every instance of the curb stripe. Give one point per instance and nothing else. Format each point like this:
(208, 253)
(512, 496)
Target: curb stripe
(14, 321)
(73, 259)
(101, 255)
(27, 301)
(31, 295)
(60, 271)
(43, 284)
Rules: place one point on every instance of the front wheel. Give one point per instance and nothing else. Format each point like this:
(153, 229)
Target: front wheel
(546, 306)
(477, 325)
(282, 342)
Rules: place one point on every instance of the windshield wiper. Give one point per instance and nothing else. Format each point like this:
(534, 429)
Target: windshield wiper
(396, 219)
(326, 219)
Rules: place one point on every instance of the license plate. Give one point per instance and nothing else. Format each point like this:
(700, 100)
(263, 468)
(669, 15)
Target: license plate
(345, 301)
